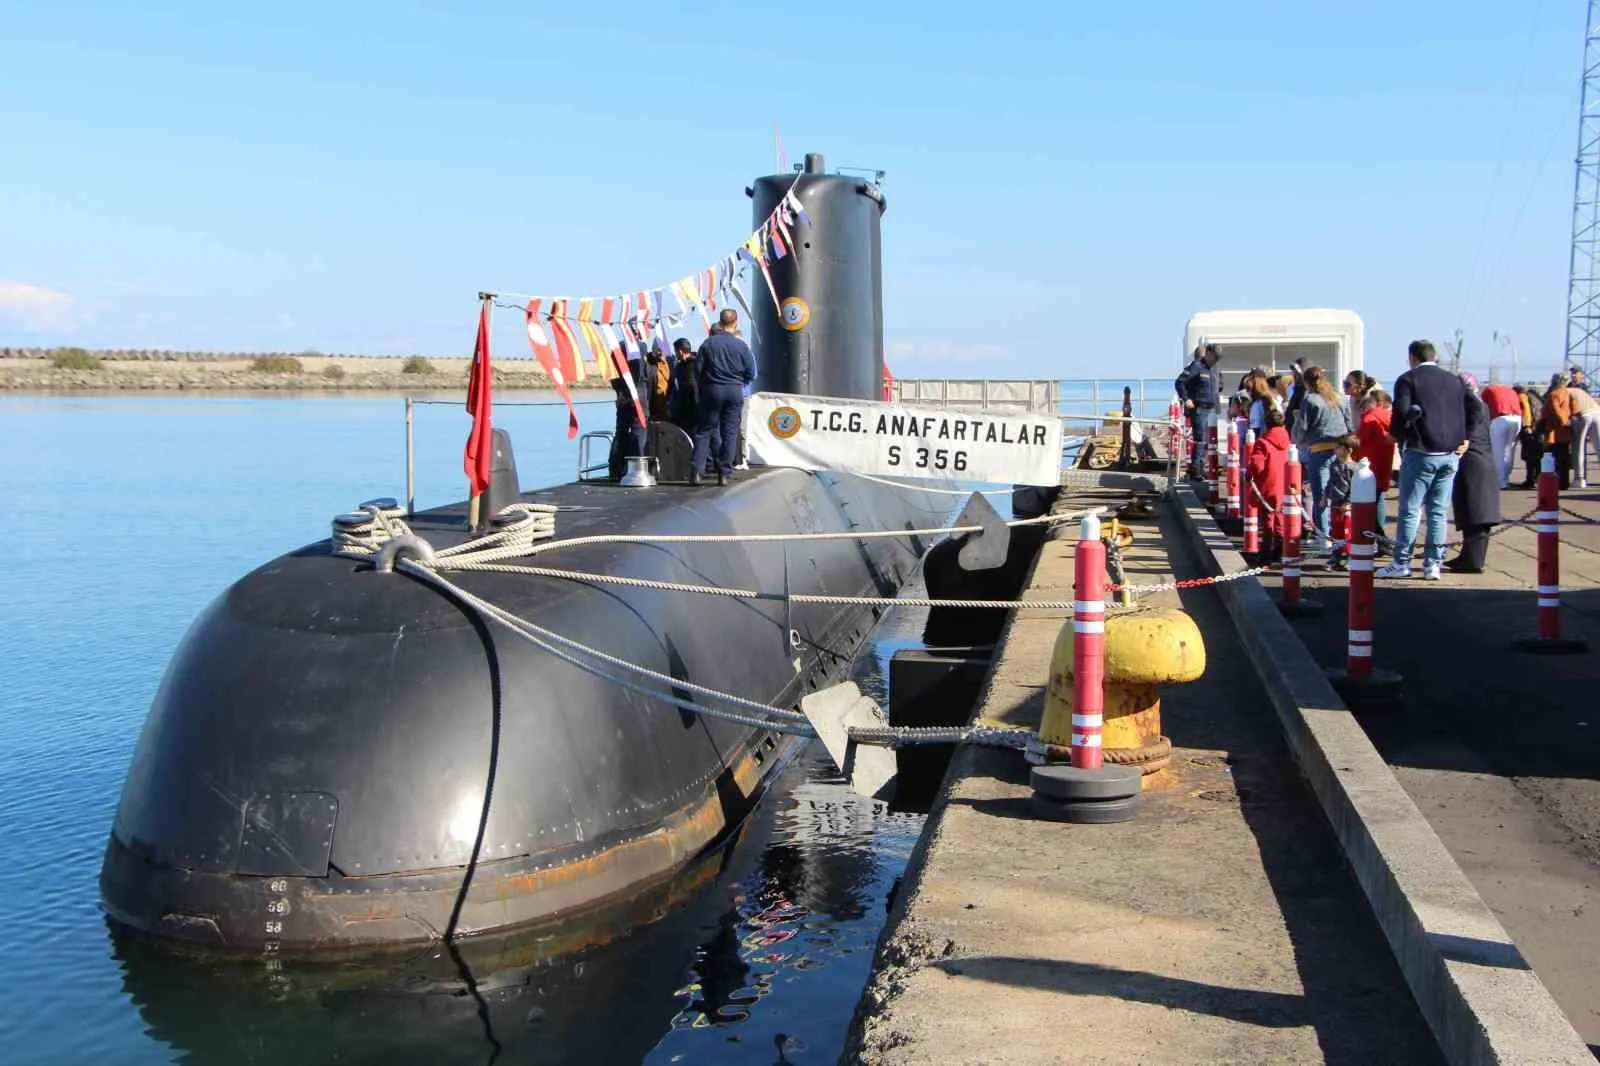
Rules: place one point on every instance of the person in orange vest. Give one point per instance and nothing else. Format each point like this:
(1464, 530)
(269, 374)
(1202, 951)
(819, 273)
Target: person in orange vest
(658, 379)
(1556, 425)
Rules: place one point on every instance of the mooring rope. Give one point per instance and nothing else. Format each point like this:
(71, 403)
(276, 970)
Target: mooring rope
(767, 716)
(529, 529)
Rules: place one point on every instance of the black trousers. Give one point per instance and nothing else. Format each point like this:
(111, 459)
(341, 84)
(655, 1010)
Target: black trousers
(1532, 452)
(629, 439)
(1474, 546)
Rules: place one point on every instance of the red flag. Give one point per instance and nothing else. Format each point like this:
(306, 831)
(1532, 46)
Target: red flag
(621, 362)
(779, 249)
(888, 384)
(566, 343)
(480, 385)
(540, 340)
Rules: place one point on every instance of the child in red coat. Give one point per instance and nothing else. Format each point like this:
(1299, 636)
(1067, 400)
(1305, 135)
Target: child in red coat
(1267, 461)
(1376, 446)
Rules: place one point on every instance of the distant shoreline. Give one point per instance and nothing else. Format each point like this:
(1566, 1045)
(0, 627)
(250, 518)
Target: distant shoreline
(191, 372)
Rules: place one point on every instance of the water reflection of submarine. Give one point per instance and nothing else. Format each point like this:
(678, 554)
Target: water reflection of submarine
(340, 757)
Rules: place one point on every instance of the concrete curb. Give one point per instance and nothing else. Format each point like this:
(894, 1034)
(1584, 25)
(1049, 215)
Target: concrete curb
(1480, 997)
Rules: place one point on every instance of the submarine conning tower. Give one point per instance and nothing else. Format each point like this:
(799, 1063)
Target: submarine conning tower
(826, 336)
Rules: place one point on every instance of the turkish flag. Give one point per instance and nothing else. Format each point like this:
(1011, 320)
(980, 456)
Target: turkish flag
(888, 384)
(480, 442)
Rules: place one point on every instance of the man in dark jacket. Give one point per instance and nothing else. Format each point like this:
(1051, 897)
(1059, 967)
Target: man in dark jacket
(1434, 416)
(1198, 387)
(725, 366)
(685, 392)
(629, 438)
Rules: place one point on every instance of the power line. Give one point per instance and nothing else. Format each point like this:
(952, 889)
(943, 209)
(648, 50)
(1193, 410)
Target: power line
(1499, 164)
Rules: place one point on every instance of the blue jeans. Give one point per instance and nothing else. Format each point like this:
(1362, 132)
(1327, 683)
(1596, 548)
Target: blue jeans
(1319, 465)
(1203, 427)
(1425, 482)
(721, 411)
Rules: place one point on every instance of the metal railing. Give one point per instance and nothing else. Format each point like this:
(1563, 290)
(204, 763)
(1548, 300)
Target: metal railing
(1075, 399)
(980, 394)
(1128, 408)
(412, 403)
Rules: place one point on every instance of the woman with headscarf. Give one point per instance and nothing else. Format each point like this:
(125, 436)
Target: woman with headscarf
(1556, 427)
(1532, 442)
(1323, 421)
(1476, 493)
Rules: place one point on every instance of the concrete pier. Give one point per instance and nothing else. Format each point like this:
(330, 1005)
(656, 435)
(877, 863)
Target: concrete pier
(1220, 925)
(1500, 751)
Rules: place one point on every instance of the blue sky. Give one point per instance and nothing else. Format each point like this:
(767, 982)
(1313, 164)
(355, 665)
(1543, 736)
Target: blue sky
(1067, 182)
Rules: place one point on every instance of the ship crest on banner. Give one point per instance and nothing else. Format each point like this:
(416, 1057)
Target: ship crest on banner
(896, 440)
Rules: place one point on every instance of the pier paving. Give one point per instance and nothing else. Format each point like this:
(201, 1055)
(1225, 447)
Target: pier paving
(1221, 925)
(1500, 751)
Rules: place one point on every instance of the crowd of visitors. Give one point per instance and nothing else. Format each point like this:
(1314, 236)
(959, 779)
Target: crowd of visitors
(1453, 443)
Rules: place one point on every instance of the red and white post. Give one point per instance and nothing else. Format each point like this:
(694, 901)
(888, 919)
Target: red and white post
(1292, 603)
(1547, 518)
(1291, 528)
(1234, 470)
(1364, 515)
(1214, 449)
(1358, 682)
(1088, 645)
(1252, 508)
(1175, 441)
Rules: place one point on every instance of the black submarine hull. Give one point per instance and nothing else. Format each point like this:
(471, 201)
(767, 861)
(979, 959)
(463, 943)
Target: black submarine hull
(314, 769)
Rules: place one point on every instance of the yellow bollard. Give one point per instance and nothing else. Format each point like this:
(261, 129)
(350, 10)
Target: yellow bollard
(1145, 648)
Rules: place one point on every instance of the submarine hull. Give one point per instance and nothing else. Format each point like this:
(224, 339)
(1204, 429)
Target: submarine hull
(342, 758)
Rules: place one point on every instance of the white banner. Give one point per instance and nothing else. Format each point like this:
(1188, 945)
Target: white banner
(893, 440)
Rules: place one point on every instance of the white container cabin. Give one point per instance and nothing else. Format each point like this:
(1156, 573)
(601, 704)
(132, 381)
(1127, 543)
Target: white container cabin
(1273, 339)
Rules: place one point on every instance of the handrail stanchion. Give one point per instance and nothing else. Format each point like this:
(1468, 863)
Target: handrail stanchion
(411, 463)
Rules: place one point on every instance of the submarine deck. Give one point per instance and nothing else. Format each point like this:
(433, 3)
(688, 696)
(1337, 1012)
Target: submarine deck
(1220, 925)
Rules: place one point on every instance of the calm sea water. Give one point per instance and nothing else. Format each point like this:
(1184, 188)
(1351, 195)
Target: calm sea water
(122, 517)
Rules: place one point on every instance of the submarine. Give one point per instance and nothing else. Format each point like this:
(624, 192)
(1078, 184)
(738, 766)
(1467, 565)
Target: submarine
(341, 756)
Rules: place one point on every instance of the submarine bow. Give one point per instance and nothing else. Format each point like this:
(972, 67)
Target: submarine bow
(339, 757)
